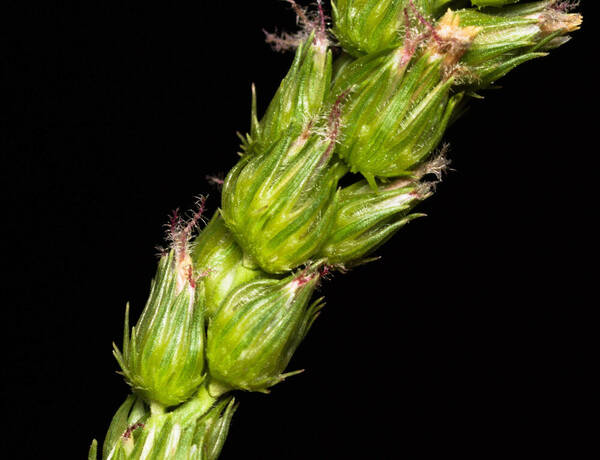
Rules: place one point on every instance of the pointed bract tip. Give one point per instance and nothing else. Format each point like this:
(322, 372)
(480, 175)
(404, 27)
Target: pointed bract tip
(93, 452)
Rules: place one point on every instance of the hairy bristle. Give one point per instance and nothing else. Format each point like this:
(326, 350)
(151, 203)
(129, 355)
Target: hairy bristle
(421, 18)
(438, 165)
(322, 17)
(304, 277)
(216, 180)
(564, 5)
(285, 41)
(334, 122)
(301, 14)
(127, 433)
(326, 271)
(180, 230)
(308, 23)
(414, 36)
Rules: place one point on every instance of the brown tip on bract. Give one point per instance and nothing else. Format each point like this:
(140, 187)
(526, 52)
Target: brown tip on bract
(446, 39)
(555, 19)
(179, 234)
(451, 40)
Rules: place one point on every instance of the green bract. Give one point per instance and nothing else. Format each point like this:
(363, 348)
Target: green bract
(211, 430)
(368, 26)
(216, 254)
(280, 204)
(257, 329)
(135, 435)
(299, 97)
(396, 112)
(511, 36)
(163, 359)
(366, 219)
(496, 3)
(125, 425)
(435, 7)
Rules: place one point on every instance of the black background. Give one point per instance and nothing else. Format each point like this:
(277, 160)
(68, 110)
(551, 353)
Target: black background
(469, 338)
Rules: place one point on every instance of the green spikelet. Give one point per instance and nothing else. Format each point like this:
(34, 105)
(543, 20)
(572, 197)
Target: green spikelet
(280, 204)
(137, 434)
(128, 419)
(512, 36)
(396, 112)
(365, 219)
(258, 328)
(163, 360)
(300, 95)
(220, 259)
(367, 26)
(211, 430)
